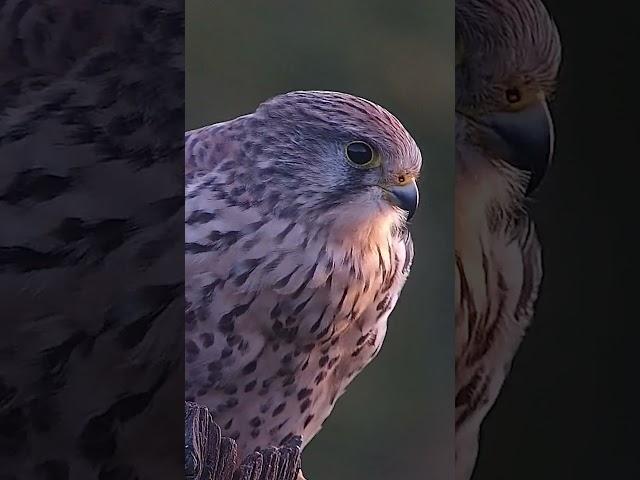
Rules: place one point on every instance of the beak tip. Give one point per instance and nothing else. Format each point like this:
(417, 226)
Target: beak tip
(405, 197)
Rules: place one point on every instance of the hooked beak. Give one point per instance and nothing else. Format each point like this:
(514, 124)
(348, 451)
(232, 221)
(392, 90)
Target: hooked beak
(404, 196)
(523, 139)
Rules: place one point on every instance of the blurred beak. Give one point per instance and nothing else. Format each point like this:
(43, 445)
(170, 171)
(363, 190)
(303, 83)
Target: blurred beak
(524, 139)
(404, 196)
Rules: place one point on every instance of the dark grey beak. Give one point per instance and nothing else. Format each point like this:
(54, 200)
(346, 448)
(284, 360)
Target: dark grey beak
(405, 197)
(524, 139)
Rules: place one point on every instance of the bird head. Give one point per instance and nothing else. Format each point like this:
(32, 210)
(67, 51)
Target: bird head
(335, 158)
(507, 59)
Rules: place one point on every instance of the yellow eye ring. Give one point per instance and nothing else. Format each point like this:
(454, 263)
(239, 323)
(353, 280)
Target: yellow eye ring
(404, 179)
(361, 155)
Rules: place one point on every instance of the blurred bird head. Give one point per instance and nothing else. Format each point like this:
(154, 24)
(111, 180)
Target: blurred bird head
(507, 59)
(332, 158)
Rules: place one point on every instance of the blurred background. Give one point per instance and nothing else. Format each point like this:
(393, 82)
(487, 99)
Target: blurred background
(396, 419)
(569, 409)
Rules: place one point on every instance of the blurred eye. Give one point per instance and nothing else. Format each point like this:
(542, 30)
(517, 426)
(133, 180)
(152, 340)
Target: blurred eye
(513, 95)
(360, 154)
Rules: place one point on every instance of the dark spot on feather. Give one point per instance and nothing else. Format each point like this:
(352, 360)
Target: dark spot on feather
(279, 409)
(307, 420)
(285, 280)
(289, 381)
(281, 236)
(304, 393)
(255, 422)
(249, 368)
(200, 216)
(230, 389)
(207, 339)
(196, 248)
(35, 185)
(304, 406)
(316, 325)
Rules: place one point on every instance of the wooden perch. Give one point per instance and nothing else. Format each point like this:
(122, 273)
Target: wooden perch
(210, 456)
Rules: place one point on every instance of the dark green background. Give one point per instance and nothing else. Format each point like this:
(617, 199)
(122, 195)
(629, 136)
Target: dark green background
(396, 420)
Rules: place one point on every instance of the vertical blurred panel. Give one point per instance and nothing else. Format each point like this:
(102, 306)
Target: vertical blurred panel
(508, 57)
(91, 239)
(396, 419)
(568, 408)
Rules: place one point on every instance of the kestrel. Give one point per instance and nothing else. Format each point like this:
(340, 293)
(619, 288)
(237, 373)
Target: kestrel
(297, 249)
(508, 58)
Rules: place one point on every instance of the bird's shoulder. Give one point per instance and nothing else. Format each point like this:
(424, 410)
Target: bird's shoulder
(217, 147)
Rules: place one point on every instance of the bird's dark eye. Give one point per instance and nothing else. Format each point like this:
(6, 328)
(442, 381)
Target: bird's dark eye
(360, 154)
(513, 95)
